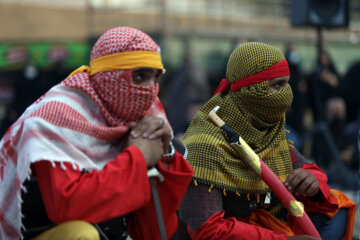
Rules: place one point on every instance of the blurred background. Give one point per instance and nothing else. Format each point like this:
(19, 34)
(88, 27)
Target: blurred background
(43, 41)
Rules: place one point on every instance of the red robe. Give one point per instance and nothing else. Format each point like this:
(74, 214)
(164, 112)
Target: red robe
(121, 187)
(262, 225)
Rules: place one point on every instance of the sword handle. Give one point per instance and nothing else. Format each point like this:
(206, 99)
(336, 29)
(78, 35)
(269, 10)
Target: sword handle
(233, 137)
(215, 118)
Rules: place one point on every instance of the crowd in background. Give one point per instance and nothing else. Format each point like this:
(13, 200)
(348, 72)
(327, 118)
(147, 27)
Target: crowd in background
(331, 139)
(324, 119)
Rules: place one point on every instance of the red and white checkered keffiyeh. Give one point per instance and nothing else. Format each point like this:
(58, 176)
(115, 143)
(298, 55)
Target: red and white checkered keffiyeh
(81, 121)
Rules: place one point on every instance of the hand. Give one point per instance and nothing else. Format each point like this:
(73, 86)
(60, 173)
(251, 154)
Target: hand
(152, 149)
(303, 237)
(302, 182)
(347, 154)
(152, 127)
(329, 78)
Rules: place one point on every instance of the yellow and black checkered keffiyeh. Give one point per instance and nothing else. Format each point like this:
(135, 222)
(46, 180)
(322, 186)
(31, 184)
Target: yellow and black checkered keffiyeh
(253, 113)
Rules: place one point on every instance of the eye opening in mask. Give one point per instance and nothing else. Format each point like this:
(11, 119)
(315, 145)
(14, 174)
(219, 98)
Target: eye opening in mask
(276, 84)
(145, 75)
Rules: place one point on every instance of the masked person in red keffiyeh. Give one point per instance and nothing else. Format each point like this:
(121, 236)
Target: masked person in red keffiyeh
(89, 142)
(227, 200)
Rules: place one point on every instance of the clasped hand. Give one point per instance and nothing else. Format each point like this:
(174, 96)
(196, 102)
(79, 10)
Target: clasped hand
(152, 136)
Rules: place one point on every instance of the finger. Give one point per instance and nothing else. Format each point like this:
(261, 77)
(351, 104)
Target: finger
(296, 179)
(165, 134)
(132, 124)
(303, 186)
(137, 131)
(156, 125)
(166, 141)
(161, 132)
(166, 146)
(142, 126)
(290, 178)
(312, 190)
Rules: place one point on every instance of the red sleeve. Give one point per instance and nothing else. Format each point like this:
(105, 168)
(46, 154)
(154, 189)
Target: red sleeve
(218, 227)
(142, 223)
(325, 201)
(119, 188)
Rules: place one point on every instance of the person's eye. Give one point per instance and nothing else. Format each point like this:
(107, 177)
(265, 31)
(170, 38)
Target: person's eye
(138, 77)
(280, 84)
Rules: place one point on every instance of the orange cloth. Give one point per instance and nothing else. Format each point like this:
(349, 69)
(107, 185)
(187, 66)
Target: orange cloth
(264, 219)
(343, 201)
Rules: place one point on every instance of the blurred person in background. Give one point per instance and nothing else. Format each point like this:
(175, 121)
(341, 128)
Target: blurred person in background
(350, 93)
(226, 199)
(189, 89)
(88, 142)
(295, 114)
(335, 116)
(349, 90)
(335, 120)
(324, 84)
(352, 131)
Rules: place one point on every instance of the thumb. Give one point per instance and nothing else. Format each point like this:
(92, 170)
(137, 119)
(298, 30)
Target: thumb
(132, 124)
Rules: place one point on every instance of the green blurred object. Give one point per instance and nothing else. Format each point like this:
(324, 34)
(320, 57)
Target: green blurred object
(79, 54)
(3, 50)
(38, 54)
(43, 55)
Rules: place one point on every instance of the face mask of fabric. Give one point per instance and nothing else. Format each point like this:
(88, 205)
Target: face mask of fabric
(269, 107)
(125, 101)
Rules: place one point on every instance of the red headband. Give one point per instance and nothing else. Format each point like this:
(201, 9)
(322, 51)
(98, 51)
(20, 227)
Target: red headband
(278, 70)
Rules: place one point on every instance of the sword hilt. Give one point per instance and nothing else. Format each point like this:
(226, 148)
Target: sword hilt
(234, 138)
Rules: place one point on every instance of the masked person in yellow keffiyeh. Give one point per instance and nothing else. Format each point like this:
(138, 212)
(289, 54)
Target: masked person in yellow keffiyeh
(226, 200)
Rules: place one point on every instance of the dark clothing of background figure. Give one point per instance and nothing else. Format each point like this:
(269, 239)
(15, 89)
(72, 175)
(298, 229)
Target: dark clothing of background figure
(352, 133)
(321, 91)
(331, 137)
(189, 87)
(349, 90)
(295, 114)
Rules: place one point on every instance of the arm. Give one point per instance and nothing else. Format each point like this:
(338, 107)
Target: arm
(203, 213)
(323, 200)
(142, 223)
(319, 196)
(95, 196)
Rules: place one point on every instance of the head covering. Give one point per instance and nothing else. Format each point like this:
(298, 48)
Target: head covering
(81, 120)
(252, 112)
(113, 57)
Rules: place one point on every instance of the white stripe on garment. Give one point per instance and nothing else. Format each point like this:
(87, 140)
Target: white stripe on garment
(89, 152)
(77, 100)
